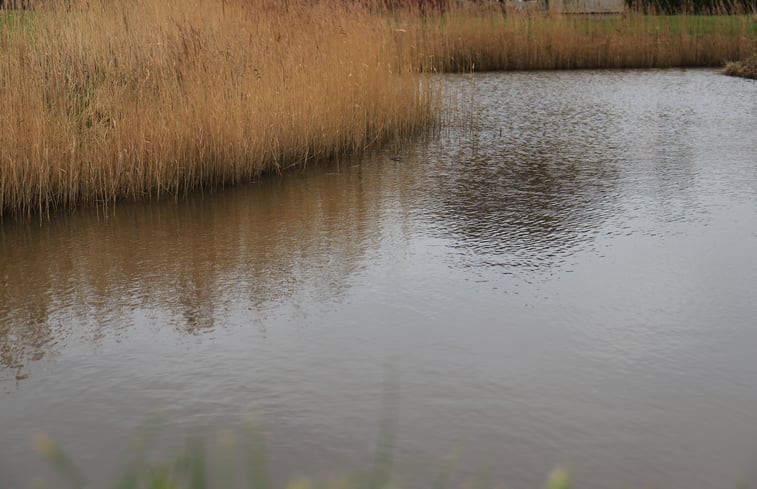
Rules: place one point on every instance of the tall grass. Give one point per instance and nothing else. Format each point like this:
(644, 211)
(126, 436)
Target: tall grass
(486, 38)
(141, 99)
(145, 98)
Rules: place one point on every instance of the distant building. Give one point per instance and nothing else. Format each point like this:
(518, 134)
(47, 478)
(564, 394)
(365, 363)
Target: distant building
(588, 7)
(570, 7)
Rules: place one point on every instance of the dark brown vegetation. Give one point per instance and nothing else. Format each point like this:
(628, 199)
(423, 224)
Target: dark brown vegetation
(746, 68)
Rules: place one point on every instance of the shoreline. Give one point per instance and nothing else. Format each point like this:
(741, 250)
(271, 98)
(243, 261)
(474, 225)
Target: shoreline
(108, 103)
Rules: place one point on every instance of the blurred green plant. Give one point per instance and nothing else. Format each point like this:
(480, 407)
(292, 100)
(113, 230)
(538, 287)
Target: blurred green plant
(558, 479)
(189, 468)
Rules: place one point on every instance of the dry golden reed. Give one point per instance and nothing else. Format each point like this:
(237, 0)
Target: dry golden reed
(484, 36)
(140, 99)
(147, 98)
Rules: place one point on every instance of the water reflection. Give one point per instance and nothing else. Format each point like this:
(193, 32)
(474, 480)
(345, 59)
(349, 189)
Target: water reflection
(524, 211)
(287, 240)
(532, 169)
(545, 168)
(535, 180)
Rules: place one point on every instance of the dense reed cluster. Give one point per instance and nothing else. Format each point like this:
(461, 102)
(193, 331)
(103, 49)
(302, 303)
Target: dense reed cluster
(144, 98)
(486, 38)
(746, 68)
(104, 101)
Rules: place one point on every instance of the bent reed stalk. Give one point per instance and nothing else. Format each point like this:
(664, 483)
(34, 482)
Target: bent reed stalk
(746, 68)
(105, 101)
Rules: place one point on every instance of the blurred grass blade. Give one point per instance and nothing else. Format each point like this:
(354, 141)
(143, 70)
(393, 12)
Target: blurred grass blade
(442, 477)
(558, 479)
(225, 472)
(257, 457)
(191, 465)
(382, 465)
(198, 476)
(137, 465)
(50, 450)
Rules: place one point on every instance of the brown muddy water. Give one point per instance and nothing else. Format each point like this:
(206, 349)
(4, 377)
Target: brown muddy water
(566, 276)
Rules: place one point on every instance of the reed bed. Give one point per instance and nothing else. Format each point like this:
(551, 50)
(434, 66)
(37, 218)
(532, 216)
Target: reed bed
(484, 38)
(105, 101)
(144, 99)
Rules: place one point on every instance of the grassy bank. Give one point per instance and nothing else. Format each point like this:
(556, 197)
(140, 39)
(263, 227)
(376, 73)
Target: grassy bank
(746, 68)
(104, 101)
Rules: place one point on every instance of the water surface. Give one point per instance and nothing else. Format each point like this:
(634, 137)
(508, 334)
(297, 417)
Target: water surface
(565, 275)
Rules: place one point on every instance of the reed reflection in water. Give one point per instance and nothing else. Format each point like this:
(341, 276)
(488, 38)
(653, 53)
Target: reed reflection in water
(290, 240)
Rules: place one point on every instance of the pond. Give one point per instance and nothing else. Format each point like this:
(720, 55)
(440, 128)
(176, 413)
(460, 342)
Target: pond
(564, 275)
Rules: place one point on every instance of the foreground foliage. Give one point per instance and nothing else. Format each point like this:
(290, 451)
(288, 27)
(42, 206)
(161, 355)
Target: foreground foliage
(191, 469)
